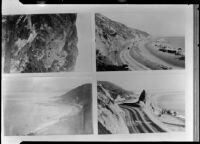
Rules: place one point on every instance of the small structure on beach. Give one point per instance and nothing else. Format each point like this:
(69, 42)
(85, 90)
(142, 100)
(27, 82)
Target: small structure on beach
(179, 52)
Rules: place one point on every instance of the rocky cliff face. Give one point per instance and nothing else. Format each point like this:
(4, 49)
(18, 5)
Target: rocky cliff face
(110, 115)
(111, 38)
(39, 43)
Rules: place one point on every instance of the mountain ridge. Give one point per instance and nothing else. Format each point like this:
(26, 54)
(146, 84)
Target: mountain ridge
(82, 96)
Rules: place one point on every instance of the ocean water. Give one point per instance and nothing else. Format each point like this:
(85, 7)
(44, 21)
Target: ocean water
(31, 95)
(173, 101)
(25, 113)
(176, 42)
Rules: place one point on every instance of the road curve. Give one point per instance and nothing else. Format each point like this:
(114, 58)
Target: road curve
(142, 58)
(132, 63)
(138, 122)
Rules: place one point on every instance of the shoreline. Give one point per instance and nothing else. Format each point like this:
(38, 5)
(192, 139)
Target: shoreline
(40, 112)
(168, 58)
(143, 56)
(156, 97)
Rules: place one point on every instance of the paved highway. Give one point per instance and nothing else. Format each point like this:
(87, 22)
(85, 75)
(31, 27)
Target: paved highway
(138, 122)
(132, 63)
(149, 60)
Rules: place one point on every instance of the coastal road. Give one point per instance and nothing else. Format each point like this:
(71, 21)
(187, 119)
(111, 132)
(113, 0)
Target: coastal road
(126, 58)
(138, 122)
(147, 58)
(132, 63)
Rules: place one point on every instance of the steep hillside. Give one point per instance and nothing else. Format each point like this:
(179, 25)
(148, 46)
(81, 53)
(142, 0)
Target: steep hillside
(115, 90)
(39, 43)
(82, 96)
(111, 38)
(110, 115)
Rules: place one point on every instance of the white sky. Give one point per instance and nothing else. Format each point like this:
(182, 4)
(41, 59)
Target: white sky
(43, 84)
(147, 81)
(156, 20)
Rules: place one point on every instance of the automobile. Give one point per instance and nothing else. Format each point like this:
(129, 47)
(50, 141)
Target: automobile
(165, 67)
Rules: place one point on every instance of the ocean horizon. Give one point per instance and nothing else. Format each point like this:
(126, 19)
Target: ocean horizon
(175, 41)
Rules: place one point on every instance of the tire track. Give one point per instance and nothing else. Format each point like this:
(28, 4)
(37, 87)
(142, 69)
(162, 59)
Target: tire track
(138, 122)
(143, 124)
(132, 122)
(133, 64)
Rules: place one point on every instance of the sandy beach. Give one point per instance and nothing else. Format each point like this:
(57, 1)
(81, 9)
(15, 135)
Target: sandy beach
(24, 117)
(143, 56)
(173, 101)
(171, 59)
(170, 100)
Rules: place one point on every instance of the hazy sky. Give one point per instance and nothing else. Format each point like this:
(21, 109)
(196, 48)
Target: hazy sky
(164, 21)
(147, 81)
(43, 84)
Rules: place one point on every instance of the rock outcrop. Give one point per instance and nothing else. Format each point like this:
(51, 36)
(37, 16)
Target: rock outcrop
(142, 97)
(39, 43)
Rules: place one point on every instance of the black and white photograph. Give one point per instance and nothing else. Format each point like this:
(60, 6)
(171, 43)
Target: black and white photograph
(145, 40)
(97, 72)
(140, 104)
(47, 106)
(42, 43)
